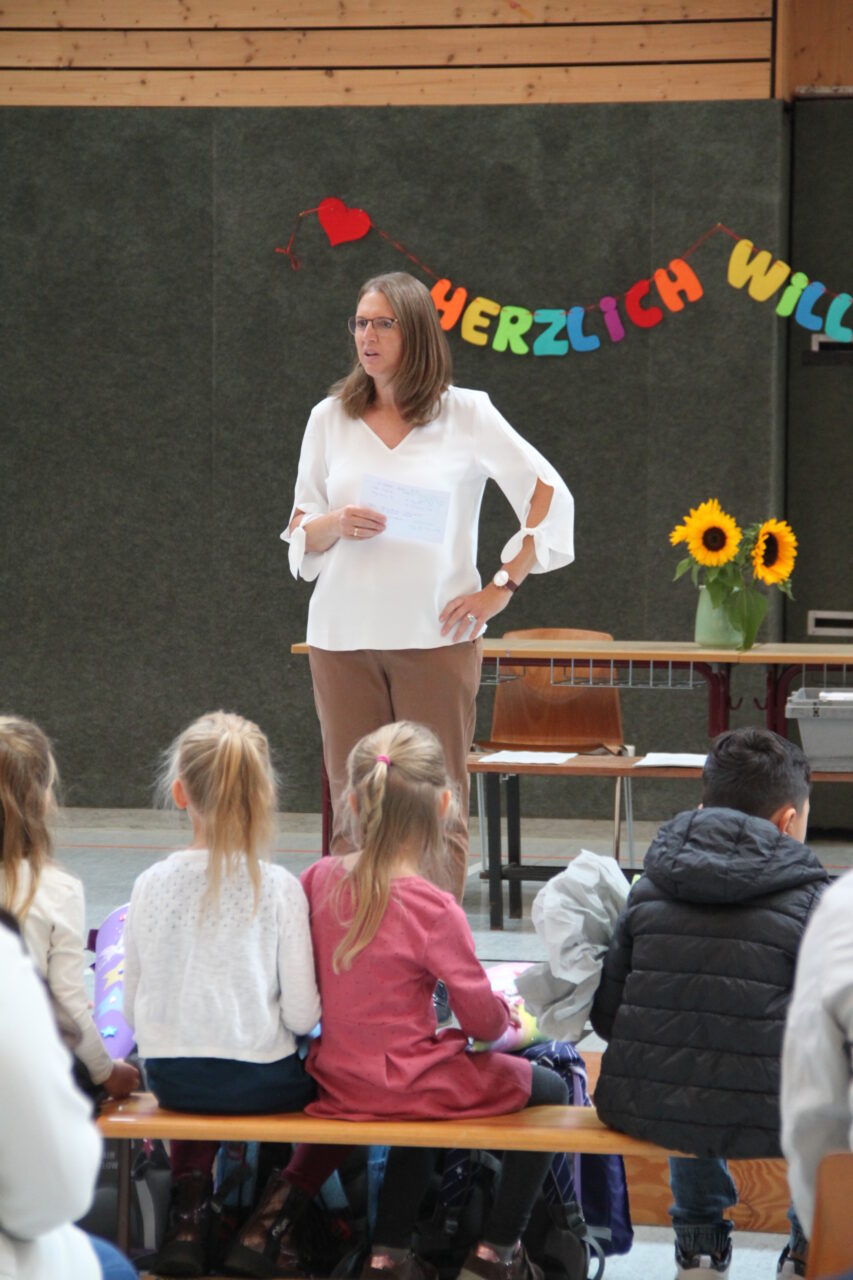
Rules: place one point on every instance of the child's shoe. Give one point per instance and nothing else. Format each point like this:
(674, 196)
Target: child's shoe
(688, 1264)
(409, 1267)
(184, 1249)
(266, 1245)
(478, 1267)
(790, 1264)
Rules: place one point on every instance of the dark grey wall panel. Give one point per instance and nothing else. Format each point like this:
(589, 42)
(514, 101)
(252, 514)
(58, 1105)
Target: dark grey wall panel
(162, 361)
(820, 395)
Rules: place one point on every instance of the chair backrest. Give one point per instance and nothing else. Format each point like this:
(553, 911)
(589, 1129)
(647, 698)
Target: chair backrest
(532, 713)
(831, 1242)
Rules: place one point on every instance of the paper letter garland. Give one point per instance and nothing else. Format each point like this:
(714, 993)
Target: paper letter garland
(549, 331)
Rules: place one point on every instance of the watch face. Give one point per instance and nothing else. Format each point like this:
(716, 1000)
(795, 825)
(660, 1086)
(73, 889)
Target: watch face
(501, 578)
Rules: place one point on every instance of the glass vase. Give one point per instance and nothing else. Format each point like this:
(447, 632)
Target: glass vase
(714, 629)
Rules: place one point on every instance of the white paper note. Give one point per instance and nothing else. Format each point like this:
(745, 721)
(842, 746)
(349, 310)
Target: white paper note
(530, 757)
(414, 514)
(670, 760)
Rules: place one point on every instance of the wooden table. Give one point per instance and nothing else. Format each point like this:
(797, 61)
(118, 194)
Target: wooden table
(590, 766)
(658, 665)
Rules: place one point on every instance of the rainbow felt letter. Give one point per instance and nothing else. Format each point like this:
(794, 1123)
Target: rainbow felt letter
(477, 318)
(512, 323)
(549, 343)
(763, 279)
(449, 309)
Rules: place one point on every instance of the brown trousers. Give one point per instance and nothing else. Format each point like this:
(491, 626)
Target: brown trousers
(359, 690)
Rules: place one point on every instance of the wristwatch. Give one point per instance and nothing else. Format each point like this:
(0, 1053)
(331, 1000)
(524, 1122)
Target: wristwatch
(502, 579)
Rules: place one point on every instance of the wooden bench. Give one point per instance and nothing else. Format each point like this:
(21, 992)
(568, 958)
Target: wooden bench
(573, 1129)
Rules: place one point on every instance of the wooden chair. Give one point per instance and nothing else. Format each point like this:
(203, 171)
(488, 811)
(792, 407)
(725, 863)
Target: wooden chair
(831, 1242)
(531, 713)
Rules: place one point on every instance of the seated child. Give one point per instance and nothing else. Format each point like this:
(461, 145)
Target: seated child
(382, 936)
(48, 901)
(219, 970)
(697, 980)
(817, 1059)
(50, 1151)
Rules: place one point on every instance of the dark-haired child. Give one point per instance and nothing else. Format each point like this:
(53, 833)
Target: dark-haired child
(697, 981)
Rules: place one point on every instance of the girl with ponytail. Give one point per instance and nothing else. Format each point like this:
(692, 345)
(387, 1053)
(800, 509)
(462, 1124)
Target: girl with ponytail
(48, 901)
(383, 935)
(219, 971)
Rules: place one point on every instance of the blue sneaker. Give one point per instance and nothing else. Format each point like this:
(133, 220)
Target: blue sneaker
(790, 1264)
(688, 1264)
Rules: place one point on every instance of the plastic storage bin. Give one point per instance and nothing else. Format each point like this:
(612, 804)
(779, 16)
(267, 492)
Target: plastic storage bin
(826, 727)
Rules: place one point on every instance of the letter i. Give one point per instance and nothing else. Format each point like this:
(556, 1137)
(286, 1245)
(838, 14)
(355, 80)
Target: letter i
(788, 302)
(612, 319)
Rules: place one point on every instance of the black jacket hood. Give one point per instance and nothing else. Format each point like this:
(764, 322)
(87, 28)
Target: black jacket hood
(725, 856)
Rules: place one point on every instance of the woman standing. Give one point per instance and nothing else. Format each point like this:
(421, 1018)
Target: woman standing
(395, 619)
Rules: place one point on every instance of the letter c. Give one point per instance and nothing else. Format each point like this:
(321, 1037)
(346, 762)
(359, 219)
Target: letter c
(642, 317)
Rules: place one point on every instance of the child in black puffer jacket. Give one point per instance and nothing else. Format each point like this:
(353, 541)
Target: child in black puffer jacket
(697, 981)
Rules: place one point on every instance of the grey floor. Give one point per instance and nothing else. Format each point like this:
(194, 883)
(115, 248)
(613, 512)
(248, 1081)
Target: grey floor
(108, 849)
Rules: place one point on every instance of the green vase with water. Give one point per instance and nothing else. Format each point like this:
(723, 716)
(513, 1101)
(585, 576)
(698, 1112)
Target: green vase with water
(714, 629)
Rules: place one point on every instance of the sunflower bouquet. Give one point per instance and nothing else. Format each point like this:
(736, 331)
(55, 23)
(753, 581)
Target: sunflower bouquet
(734, 560)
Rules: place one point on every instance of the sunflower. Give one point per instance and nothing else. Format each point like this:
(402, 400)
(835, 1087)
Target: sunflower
(712, 536)
(774, 552)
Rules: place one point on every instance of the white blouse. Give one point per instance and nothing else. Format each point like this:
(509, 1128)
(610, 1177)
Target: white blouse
(229, 982)
(54, 931)
(388, 592)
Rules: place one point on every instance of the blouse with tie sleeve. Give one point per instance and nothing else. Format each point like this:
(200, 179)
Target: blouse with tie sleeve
(387, 592)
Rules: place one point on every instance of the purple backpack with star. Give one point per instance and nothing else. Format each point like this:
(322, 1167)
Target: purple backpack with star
(108, 1012)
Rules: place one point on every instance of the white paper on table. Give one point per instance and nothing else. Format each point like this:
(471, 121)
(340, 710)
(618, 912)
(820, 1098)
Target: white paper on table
(529, 757)
(835, 695)
(670, 760)
(414, 513)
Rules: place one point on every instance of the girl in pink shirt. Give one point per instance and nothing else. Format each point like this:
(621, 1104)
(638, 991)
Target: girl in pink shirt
(383, 935)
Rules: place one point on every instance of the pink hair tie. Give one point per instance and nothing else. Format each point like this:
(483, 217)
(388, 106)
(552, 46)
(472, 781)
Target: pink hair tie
(384, 760)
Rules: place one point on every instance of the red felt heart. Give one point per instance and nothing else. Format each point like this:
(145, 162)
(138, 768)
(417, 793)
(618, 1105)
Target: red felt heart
(340, 223)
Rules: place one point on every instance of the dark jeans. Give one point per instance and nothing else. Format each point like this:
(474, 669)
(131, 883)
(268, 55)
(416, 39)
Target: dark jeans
(409, 1170)
(703, 1189)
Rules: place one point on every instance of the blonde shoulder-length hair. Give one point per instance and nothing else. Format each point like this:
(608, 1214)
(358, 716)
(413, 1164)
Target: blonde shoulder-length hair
(426, 368)
(28, 780)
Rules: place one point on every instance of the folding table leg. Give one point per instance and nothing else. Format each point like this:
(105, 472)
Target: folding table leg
(513, 841)
(493, 827)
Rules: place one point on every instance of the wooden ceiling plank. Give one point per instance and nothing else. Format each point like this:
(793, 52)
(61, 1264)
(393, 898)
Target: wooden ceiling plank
(488, 85)
(538, 46)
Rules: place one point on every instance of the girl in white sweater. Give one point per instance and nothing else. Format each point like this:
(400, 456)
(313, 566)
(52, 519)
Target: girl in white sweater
(219, 967)
(48, 901)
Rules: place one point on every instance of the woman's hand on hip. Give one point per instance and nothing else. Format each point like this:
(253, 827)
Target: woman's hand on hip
(360, 523)
(465, 615)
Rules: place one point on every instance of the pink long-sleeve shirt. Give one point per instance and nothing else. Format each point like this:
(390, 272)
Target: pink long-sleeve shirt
(379, 1055)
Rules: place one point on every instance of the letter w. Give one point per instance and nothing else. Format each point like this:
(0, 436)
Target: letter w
(763, 279)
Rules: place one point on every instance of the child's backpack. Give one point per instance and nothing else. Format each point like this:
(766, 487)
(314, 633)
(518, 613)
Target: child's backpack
(582, 1210)
(596, 1183)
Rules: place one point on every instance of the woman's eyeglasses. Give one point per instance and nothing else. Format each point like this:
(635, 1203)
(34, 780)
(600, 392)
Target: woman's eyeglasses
(382, 324)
